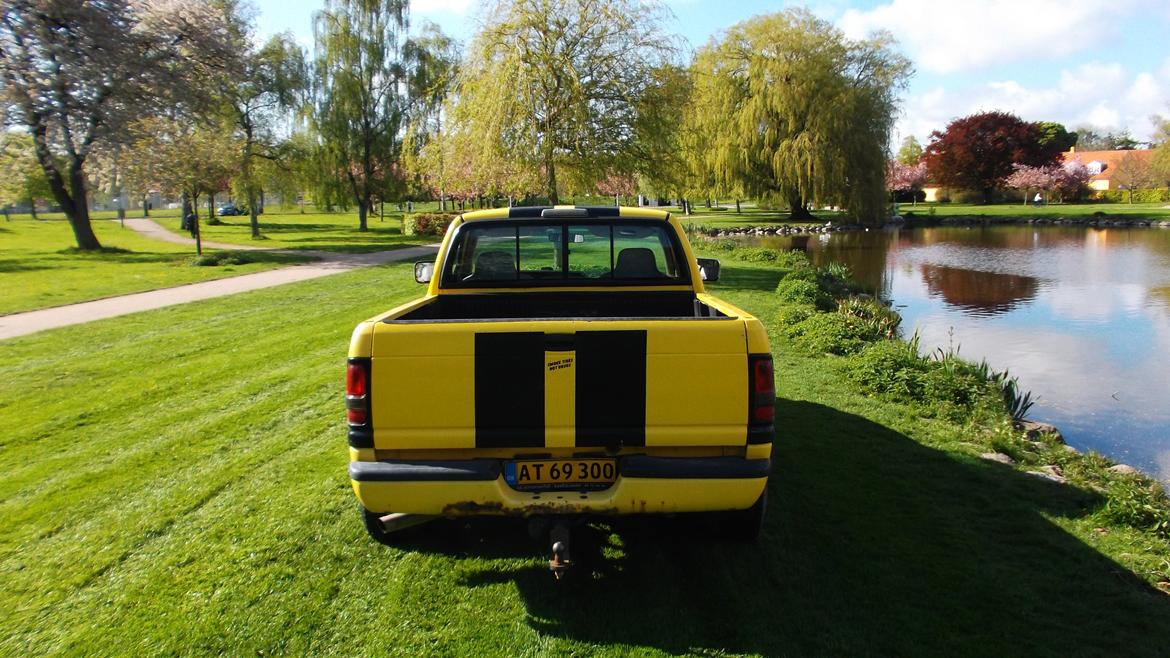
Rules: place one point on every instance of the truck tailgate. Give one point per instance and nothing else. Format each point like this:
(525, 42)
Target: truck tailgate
(559, 383)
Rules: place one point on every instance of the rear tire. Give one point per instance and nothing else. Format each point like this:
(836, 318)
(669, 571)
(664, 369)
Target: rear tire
(745, 525)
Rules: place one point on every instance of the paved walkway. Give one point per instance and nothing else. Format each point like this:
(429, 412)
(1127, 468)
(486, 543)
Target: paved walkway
(20, 324)
(153, 229)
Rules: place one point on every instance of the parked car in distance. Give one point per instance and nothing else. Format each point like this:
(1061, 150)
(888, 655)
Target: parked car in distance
(228, 210)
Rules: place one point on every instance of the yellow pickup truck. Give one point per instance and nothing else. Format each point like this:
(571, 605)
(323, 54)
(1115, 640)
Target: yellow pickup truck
(565, 362)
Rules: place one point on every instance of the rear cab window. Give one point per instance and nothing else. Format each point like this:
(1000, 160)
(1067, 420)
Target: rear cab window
(547, 253)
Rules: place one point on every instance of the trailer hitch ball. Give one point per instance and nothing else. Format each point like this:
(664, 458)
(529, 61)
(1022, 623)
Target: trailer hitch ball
(560, 550)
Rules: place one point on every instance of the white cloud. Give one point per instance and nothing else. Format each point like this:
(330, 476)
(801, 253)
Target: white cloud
(945, 37)
(1100, 94)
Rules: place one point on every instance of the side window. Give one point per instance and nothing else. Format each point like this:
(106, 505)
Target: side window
(488, 254)
(643, 252)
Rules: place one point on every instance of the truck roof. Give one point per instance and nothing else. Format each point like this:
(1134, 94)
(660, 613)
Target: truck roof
(565, 212)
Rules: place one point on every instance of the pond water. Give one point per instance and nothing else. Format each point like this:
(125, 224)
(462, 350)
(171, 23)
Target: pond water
(1080, 315)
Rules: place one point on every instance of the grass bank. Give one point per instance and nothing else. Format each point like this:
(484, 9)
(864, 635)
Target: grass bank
(40, 268)
(175, 484)
(313, 230)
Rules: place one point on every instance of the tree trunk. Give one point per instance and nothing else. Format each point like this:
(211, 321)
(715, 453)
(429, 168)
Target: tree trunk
(737, 206)
(146, 205)
(7, 217)
(252, 214)
(210, 206)
(79, 218)
(261, 209)
(32, 208)
(797, 209)
(551, 181)
(184, 223)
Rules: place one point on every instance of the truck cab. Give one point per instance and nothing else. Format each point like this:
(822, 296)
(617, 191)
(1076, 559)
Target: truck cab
(564, 362)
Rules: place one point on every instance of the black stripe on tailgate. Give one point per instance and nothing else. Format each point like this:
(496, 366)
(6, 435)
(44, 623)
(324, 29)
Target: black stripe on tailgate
(509, 390)
(611, 388)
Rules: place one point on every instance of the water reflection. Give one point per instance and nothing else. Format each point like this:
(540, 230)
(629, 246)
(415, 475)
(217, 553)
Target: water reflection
(1082, 316)
(985, 293)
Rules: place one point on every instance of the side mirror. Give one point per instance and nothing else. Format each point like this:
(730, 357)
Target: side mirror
(424, 272)
(708, 269)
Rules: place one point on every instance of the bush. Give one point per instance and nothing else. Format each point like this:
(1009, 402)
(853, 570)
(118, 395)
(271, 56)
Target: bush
(1139, 196)
(427, 223)
(890, 368)
(791, 314)
(799, 290)
(828, 332)
(879, 320)
(1138, 503)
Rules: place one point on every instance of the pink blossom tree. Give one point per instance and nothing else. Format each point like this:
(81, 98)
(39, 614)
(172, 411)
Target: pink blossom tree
(1026, 178)
(617, 185)
(906, 178)
(1070, 178)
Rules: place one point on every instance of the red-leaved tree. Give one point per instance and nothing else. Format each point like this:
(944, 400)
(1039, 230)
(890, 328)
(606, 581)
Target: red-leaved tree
(977, 152)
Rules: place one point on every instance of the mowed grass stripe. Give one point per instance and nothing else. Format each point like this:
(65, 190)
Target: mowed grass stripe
(182, 412)
(210, 426)
(215, 517)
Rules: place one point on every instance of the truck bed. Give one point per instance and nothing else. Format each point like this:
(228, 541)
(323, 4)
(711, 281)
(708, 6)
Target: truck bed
(561, 305)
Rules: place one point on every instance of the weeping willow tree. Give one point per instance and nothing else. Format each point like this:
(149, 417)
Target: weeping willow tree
(362, 100)
(553, 88)
(784, 106)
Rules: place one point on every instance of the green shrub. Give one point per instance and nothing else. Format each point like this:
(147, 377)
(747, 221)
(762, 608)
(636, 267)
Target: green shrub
(799, 291)
(1160, 195)
(426, 223)
(793, 260)
(880, 320)
(890, 368)
(954, 392)
(828, 332)
(791, 314)
(1140, 503)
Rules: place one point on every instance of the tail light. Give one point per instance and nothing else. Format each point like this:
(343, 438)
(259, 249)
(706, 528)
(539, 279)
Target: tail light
(762, 389)
(357, 391)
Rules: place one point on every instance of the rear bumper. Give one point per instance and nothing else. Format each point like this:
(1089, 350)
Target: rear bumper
(477, 487)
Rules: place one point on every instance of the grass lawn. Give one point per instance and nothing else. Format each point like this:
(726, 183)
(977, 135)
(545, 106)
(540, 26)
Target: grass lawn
(319, 231)
(174, 483)
(39, 267)
(1068, 210)
(99, 214)
(750, 216)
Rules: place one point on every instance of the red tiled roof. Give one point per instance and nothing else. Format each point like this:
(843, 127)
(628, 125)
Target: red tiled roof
(1110, 159)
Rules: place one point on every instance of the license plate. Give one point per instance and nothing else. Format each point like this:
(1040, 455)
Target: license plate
(561, 473)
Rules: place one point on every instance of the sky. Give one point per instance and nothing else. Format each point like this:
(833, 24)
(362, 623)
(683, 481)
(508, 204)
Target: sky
(1079, 62)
